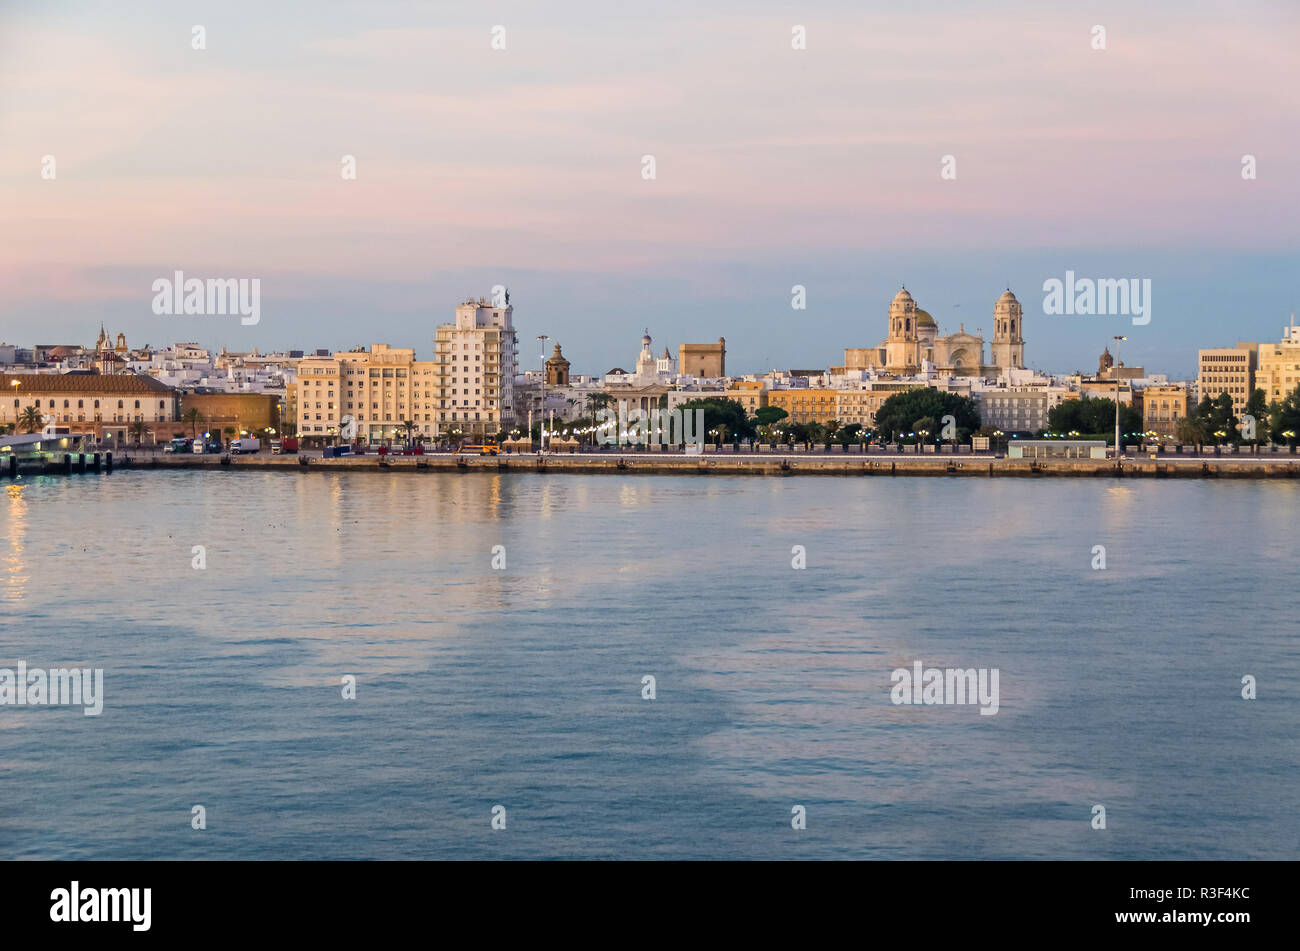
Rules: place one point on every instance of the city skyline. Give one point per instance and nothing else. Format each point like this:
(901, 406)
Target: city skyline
(831, 365)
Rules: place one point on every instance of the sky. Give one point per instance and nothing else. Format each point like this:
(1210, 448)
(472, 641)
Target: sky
(774, 166)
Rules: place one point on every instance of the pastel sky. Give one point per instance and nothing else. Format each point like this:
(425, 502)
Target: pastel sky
(774, 166)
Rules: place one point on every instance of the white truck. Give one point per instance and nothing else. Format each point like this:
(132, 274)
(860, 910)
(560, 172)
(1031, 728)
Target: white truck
(240, 446)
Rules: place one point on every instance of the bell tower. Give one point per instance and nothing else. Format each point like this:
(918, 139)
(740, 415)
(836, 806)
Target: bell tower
(902, 350)
(1008, 342)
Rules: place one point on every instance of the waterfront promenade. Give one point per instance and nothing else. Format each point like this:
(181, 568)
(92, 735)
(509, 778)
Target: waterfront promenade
(1266, 466)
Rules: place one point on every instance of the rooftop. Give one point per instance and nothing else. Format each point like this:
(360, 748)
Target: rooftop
(81, 383)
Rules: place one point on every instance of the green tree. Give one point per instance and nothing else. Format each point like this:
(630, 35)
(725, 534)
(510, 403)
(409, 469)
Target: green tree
(926, 428)
(768, 415)
(1223, 419)
(1092, 417)
(598, 401)
(136, 429)
(1257, 406)
(193, 417)
(720, 415)
(897, 414)
(1192, 431)
(31, 419)
(1284, 417)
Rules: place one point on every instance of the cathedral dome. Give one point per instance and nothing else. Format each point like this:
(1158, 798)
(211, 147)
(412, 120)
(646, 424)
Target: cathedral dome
(1007, 295)
(902, 296)
(923, 318)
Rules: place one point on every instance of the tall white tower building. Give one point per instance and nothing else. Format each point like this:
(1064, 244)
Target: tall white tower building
(476, 357)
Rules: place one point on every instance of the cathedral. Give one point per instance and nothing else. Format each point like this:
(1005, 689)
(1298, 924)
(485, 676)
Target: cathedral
(111, 357)
(914, 342)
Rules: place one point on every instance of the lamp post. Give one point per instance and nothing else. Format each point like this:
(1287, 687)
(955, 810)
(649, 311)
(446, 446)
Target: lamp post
(541, 442)
(1115, 369)
(14, 384)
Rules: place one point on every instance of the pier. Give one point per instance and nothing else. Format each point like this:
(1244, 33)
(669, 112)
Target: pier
(1283, 466)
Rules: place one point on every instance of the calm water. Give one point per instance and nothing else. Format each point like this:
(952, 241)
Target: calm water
(522, 687)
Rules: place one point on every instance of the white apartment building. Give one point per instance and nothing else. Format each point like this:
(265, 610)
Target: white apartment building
(476, 359)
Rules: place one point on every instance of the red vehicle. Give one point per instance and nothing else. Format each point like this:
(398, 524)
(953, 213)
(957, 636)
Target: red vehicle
(382, 450)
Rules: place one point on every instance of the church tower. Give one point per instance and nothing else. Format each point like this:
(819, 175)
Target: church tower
(902, 352)
(557, 369)
(1008, 343)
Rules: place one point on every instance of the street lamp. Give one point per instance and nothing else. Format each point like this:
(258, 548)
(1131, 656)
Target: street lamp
(1115, 369)
(541, 442)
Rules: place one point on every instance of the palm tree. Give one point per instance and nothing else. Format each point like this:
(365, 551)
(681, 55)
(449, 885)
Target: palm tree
(410, 428)
(136, 430)
(1192, 431)
(193, 417)
(832, 427)
(31, 419)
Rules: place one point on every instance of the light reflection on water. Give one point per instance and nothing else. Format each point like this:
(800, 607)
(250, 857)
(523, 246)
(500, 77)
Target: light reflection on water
(522, 686)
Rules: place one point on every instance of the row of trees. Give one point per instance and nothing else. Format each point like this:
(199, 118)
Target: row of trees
(1213, 420)
(1092, 418)
(915, 415)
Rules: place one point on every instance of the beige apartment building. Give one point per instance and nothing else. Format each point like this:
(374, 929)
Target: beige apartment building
(861, 405)
(1019, 409)
(1163, 407)
(751, 394)
(376, 390)
(1228, 370)
(805, 404)
(1278, 373)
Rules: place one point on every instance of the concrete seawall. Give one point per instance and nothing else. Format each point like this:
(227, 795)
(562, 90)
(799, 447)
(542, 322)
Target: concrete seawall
(1281, 467)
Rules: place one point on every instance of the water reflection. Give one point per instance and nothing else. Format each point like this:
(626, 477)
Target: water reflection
(15, 534)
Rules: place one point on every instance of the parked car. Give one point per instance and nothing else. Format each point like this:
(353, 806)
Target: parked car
(178, 445)
(241, 446)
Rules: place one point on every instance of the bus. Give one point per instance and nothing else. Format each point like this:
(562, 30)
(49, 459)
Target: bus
(482, 449)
